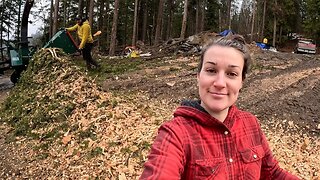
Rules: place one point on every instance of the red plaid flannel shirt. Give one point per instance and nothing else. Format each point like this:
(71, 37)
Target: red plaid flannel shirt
(194, 145)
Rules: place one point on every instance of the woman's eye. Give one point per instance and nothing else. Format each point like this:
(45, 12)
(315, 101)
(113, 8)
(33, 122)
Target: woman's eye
(232, 74)
(211, 70)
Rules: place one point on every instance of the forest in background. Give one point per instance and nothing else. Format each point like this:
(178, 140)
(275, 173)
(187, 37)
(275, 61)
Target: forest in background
(151, 22)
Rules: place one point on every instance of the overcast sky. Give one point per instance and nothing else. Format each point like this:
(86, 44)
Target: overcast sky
(36, 23)
(33, 28)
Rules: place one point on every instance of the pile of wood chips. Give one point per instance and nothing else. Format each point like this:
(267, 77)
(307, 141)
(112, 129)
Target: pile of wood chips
(89, 132)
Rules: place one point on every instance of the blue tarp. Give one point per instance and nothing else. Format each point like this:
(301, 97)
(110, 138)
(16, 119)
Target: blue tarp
(263, 45)
(226, 32)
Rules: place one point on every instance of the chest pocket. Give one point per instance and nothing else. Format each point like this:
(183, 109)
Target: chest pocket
(252, 161)
(213, 168)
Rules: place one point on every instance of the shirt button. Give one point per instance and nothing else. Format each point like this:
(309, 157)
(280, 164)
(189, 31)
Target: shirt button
(226, 132)
(231, 160)
(254, 156)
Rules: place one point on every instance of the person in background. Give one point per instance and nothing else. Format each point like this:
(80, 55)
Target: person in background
(84, 33)
(265, 40)
(211, 138)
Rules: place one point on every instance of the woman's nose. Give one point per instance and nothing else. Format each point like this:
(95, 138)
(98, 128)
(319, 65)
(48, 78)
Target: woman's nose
(220, 80)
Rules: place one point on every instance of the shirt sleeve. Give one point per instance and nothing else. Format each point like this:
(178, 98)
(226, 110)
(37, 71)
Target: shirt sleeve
(85, 35)
(73, 28)
(166, 159)
(270, 167)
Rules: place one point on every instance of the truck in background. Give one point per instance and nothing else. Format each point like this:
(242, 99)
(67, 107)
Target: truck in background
(305, 45)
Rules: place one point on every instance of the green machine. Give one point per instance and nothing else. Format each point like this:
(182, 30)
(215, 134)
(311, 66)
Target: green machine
(62, 39)
(19, 55)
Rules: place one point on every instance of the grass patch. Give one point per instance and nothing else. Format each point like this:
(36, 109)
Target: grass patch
(96, 152)
(89, 133)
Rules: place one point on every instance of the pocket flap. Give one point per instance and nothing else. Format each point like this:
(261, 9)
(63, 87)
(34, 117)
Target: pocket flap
(207, 167)
(252, 154)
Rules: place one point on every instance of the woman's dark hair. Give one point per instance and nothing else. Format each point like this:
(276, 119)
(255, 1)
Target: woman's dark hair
(83, 19)
(235, 41)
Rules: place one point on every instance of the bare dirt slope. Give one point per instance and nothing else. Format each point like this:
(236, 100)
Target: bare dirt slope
(282, 85)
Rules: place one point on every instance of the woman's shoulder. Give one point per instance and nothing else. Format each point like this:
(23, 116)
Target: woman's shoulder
(176, 121)
(180, 125)
(85, 26)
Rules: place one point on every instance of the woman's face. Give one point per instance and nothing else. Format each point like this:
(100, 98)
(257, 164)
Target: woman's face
(220, 78)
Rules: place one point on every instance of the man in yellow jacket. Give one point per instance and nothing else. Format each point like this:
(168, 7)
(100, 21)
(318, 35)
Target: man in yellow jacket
(84, 33)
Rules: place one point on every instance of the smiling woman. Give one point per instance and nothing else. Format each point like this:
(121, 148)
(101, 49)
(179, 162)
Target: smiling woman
(220, 80)
(211, 138)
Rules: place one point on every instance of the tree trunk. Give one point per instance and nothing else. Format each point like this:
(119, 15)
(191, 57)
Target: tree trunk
(263, 17)
(64, 13)
(184, 20)
(135, 19)
(19, 21)
(105, 25)
(55, 19)
(253, 19)
(197, 28)
(274, 31)
(114, 28)
(170, 17)
(100, 18)
(145, 21)
(51, 20)
(125, 22)
(80, 8)
(229, 14)
(91, 7)
(1, 32)
(159, 22)
(203, 10)
(274, 27)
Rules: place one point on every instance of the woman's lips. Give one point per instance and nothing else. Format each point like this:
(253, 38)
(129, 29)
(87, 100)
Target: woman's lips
(218, 94)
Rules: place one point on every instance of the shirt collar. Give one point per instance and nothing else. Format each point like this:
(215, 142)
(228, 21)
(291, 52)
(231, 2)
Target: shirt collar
(194, 110)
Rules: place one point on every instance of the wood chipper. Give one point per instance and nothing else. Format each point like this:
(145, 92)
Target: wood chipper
(20, 54)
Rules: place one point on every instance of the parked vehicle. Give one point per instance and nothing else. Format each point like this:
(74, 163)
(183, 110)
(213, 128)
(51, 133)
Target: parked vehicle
(306, 46)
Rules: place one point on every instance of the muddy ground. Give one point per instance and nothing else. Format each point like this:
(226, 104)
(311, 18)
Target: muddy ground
(282, 90)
